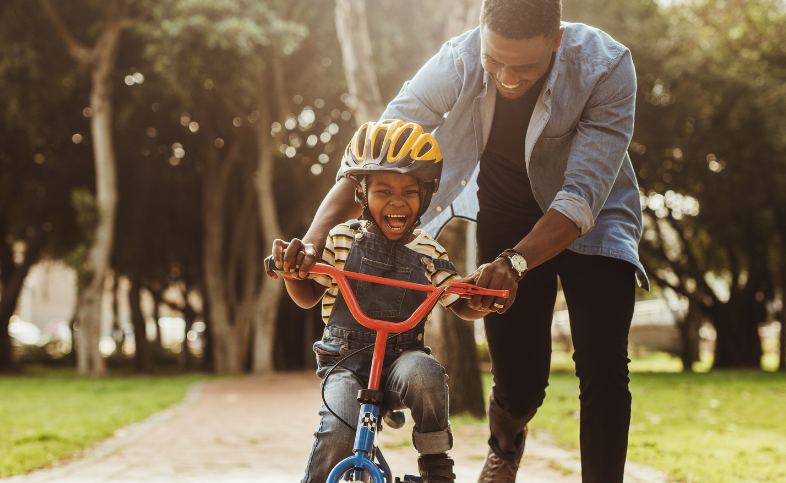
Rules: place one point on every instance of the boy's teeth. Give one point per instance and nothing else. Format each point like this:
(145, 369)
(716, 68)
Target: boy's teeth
(399, 220)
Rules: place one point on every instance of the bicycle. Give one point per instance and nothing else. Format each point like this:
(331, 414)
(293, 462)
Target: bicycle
(361, 464)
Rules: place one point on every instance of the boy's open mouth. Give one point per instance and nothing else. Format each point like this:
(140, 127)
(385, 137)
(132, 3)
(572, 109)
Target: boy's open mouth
(396, 222)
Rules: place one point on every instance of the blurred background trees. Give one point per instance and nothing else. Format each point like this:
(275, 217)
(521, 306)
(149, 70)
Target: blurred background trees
(225, 122)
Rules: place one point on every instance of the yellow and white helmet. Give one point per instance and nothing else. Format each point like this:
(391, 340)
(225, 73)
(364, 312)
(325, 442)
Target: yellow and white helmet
(394, 146)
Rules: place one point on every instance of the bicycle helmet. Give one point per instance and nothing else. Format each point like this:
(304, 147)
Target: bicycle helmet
(394, 146)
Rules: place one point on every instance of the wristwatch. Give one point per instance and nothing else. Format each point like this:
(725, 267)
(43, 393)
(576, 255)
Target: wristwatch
(516, 260)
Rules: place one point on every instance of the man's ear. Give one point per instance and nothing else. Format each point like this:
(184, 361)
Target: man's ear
(558, 40)
(359, 193)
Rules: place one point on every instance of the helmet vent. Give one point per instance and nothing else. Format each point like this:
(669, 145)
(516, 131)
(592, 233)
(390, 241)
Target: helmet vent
(423, 150)
(378, 143)
(401, 141)
(361, 146)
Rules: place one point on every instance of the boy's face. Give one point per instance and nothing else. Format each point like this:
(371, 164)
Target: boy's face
(394, 202)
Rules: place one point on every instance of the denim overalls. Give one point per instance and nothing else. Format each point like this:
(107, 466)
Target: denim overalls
(410, 376)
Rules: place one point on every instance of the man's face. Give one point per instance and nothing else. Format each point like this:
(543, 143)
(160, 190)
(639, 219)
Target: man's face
(394, 201)
(516, 65)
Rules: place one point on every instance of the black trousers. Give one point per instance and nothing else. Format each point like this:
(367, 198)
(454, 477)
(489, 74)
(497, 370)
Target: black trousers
(600, 293)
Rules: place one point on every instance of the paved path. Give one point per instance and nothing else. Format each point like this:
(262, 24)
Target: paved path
(260, 430)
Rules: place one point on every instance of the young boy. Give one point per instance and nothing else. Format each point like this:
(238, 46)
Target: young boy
(397, 168)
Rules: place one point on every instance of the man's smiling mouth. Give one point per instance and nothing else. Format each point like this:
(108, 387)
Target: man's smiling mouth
(396, 222)
(510, 88)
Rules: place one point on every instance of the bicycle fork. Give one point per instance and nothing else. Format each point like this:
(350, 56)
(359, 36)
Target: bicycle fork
(363, 449)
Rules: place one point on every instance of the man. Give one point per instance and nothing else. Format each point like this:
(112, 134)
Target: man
(534, 118)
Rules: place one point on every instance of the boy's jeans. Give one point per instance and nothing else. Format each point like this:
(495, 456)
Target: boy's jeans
(413, 379)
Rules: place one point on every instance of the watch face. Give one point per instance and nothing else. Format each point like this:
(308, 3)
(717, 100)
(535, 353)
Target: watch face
(519, 263)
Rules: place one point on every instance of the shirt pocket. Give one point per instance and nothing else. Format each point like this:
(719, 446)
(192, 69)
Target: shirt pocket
(547, 166)
(377, 300)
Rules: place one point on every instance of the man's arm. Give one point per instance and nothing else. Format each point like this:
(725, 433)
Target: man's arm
(553, 233)
(338, 206)
(305, 293)
(430, 94)
(599, 146)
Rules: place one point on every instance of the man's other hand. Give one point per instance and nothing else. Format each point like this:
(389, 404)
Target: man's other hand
(497, 275)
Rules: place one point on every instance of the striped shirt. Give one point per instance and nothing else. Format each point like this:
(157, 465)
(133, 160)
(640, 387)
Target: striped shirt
(340, 240)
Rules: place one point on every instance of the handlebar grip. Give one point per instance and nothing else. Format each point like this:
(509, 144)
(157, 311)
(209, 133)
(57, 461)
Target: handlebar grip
(271, 265)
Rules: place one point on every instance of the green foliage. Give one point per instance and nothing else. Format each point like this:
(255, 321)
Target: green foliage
(35, 432)
(709, 152)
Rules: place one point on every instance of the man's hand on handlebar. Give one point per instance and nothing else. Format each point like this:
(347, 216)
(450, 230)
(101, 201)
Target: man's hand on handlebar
(498, 276)
(295, 257)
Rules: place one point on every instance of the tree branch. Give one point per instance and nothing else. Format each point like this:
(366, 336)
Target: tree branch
(128, 23)
(78, 51)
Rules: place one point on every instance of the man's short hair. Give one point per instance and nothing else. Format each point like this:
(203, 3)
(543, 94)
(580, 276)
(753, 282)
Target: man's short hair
(522, 19)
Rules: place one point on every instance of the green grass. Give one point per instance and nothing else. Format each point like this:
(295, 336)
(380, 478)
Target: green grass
(48, 414)
(715, 427)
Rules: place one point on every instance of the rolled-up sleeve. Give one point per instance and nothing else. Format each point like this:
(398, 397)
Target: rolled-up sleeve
(430, 94)
(598, 148)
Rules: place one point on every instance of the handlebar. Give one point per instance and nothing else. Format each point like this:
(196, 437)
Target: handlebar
(464, 290)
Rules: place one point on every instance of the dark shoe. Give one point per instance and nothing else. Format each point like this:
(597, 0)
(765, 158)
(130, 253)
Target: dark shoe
(498, 470)
(436, 468)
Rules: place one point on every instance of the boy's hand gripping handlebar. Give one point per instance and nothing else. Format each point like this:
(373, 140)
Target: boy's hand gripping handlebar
(463, 290)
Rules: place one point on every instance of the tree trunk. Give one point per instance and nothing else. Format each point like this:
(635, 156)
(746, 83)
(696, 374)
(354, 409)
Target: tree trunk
(117, 331)
(142, 354)
(738, 343)
(689, 334)
(270, 291)
(227, 341)
(782, 363)
(462, 15)
(358, 60)
(189, 316)
(158, 299)
(89, 358)
(452, 339)
(12, 280)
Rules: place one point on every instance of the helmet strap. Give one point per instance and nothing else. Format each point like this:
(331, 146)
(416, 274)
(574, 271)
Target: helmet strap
(426, 192)
(365, 213)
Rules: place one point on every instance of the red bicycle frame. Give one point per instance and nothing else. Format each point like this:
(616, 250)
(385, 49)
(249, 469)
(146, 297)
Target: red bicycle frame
(383, 327)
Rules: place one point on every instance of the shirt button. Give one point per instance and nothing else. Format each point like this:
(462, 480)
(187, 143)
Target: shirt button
(439, 208)
(463, 182)
(327, 333)
(420, 336)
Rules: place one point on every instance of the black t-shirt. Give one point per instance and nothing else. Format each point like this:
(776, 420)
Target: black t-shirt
(504, 191)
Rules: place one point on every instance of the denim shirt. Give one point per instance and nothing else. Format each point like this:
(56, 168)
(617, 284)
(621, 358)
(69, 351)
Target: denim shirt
(576, 144)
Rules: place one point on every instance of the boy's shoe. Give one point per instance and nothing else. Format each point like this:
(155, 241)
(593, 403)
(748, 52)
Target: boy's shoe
(436, 468)
(498, 470)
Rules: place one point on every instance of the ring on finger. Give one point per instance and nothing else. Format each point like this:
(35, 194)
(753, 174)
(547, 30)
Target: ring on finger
(498, 306)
